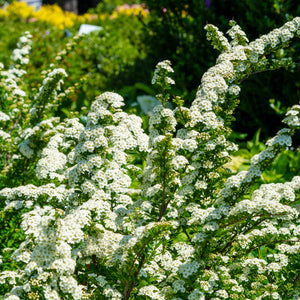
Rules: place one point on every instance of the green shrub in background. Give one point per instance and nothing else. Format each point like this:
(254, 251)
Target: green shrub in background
(173, 29)
(109, 59)
(113, 57)
(283, 168)
(176, 31)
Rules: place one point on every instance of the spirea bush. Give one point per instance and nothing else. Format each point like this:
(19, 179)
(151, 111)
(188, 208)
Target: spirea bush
(118, 213)
(108, 59)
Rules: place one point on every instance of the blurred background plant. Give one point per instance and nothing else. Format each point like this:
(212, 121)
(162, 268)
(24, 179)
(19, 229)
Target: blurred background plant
(137, 34)
(175, 31)
(105, 60)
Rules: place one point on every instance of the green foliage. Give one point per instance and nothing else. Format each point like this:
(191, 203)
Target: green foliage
(130, 46)
(108, 6)
(283, 168)
(11, 236)
(109, 59)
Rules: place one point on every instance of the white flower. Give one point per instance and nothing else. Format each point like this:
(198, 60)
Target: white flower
(178, 285)
(4, 135)
(234, 90)
(19, 92)
(150, 291)
(179, 162)
(196, 295)
(163, 66)
(4, 117)
(189, 145)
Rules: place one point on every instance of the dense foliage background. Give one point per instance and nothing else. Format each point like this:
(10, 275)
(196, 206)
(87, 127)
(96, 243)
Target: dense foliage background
(133, 39)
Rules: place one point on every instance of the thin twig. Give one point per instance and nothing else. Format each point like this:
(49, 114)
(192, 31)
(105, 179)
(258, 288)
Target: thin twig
(262, 71)
(15, 124)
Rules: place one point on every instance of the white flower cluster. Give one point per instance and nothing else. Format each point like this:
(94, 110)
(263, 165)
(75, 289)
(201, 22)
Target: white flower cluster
(219, 41)
(170, 227)
(152, 292)
(52, 162)
(20, 54)
(48, 90)
(292, 117)
(162, 68)
(27, 195)
(267, 199)
(27, 146)
(237, 35)
(106, 135)
(3, 118)
(11, 80)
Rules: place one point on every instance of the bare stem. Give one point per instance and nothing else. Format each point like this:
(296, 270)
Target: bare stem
(15, 124)
(262, 71)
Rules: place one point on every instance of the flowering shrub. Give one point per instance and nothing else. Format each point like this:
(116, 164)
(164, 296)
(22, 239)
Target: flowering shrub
(121, 214)
(51, 14)
(22, 116)
(110, 59)
(126, 9)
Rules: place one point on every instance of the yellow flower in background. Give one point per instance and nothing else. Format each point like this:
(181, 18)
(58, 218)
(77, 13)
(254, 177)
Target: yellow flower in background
(54, 15)
(103, 16)
(87, 17)
(2, 13)
(129, 10)
(51, 14)
(18, 9)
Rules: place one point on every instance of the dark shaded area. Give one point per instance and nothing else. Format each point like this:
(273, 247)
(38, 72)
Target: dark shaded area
(77, 6)
(180, 37)
(83, 6)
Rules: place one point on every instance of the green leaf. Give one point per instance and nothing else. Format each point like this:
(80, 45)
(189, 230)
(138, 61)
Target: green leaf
(181, 237)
